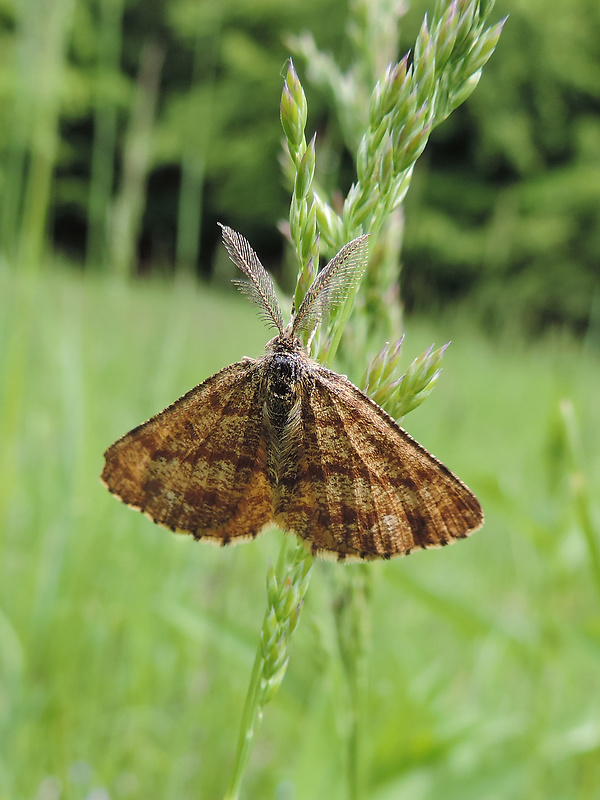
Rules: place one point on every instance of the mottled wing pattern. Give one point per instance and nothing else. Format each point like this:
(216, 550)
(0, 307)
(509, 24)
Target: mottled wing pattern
(199, 466)
(364, 488)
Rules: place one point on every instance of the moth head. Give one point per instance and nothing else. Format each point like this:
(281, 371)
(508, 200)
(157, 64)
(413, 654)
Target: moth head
(284, 342)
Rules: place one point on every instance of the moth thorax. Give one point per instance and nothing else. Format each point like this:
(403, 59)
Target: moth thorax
(282, 376)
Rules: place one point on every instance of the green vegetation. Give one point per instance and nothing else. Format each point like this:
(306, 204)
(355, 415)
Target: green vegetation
(125, 651)
(168, 108)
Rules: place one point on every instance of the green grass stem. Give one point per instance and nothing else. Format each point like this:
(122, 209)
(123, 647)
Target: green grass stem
(579, 488)
(286, 586)
(128, 206)
(105, 131)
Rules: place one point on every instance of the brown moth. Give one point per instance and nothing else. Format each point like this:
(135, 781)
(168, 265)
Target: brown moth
(282, 440)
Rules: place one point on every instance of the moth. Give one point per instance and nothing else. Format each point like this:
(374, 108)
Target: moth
(282, 440)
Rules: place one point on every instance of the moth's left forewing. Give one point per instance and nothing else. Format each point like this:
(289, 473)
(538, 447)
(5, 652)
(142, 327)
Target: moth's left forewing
(200, 465)
(365, 488)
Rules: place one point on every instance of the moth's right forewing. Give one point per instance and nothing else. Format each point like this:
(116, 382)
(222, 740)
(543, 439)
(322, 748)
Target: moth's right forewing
(199, 465)
(365, 488)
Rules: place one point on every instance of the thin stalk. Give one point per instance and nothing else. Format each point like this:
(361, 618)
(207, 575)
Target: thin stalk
(286, 587)
(251, 719)
(252, 714)
(17, 142)
(105, 132)
(128, 206)
(193, 158)
(579, 487)
(352, 624)
(15, 358)
(47, 44)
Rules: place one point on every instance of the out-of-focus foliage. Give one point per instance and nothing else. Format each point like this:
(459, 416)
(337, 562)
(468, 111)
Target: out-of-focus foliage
(230, 112)
(125, 651)
(509, 202)
(505, 208)
(214, 135)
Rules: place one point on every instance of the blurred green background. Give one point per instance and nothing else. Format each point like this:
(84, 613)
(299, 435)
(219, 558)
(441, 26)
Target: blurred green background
(128, 129)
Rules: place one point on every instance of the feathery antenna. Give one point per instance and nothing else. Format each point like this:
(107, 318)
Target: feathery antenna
(332, 285)
(259, 289)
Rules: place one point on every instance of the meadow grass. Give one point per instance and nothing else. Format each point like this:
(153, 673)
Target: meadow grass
(125, 651)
